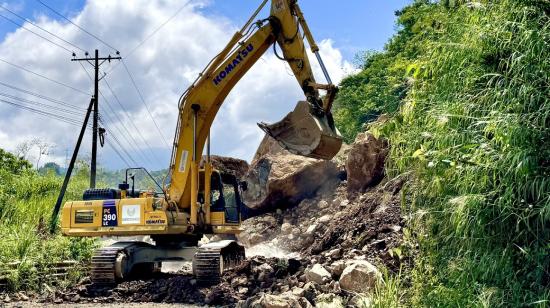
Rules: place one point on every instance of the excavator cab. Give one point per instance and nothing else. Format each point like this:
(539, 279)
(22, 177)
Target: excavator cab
(225, 198)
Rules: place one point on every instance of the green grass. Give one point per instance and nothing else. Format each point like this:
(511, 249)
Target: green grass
(26, 202)
(27, 198)
(474, 131)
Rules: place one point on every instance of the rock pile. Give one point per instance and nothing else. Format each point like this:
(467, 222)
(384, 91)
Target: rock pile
(336, 235)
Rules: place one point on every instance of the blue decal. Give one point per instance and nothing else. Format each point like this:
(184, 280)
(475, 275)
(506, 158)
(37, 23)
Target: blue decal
(109, 215)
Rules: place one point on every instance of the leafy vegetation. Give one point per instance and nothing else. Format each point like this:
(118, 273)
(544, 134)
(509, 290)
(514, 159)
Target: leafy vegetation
(468, 88)
(27, 197)
(26, 202)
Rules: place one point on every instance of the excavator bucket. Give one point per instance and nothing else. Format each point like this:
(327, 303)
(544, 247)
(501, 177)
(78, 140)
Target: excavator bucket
(303, 133)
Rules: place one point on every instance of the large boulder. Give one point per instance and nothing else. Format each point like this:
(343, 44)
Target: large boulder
(277, 178)
(360, 276)
(365, 163)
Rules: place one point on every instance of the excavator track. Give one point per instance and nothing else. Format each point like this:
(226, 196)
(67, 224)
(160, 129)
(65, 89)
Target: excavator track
(212, 259)
(103, 267)
(115, 263)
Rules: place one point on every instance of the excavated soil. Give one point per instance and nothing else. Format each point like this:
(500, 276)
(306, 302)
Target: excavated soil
(322, 230)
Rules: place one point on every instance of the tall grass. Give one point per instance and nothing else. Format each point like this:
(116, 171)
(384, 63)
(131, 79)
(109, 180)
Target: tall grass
(474, 130)
(26, 202)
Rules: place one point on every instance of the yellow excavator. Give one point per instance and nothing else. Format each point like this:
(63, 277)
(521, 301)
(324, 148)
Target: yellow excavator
(199, 200)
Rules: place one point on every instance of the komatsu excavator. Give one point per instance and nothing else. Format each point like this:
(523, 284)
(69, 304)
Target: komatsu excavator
(198, 199)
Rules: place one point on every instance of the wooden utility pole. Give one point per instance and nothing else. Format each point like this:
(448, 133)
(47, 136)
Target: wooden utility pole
(96, 64)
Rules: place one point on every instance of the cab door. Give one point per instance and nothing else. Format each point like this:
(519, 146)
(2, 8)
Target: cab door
(232, 199)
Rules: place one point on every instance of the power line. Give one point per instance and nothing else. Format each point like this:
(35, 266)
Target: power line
(119, 143)
(118, 153)
(133, 145)
(25, 28)
(68, 120)
(34, 24)
(129, 119)
(152, 34)
(44, 97)
(104, 122)
(144, 103)
(45, 77)
(40, 104)
(110, 120)
(79, 27)
(157, 29)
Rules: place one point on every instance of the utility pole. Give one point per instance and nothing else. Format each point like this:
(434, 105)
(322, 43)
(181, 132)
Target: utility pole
(96, 64)
(57, 207)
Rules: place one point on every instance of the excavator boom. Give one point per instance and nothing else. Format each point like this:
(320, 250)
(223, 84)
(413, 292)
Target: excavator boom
(309, 130)
(200, 200)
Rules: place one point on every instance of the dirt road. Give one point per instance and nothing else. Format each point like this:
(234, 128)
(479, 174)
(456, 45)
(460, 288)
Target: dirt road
(123, 305)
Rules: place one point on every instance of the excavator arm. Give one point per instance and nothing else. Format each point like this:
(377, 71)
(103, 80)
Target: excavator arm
(178, 220)
(308, 130)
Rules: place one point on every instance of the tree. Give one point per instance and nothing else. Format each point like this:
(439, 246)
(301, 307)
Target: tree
(12, 163)
(50, 167)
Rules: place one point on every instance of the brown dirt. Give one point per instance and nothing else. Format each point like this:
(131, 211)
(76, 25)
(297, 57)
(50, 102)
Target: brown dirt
(366, 226)
(371, 223)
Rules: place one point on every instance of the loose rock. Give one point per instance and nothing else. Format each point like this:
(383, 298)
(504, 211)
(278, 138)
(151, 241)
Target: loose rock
(329, 301)
(286, 300)
(318, 274)
(360, 277)
(365, 163)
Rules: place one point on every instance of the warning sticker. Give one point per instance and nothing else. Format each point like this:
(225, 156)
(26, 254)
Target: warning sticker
(131, 214)
(109, 215)
(183, 161)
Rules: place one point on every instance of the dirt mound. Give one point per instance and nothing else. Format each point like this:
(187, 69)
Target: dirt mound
(321, 244)
(368, 226)
(236, 167)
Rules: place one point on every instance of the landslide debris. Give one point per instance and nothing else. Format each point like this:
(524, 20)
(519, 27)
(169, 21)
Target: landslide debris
(331, 246)
(234, 166)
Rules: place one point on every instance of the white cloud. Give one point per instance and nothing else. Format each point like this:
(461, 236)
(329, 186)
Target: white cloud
(163, 68)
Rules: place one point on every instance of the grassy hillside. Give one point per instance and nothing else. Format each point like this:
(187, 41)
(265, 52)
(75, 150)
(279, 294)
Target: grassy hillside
(467, 86)
(26, 202)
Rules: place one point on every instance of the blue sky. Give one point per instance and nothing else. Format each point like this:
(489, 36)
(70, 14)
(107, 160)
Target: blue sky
(353, 25)
(165, 66)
